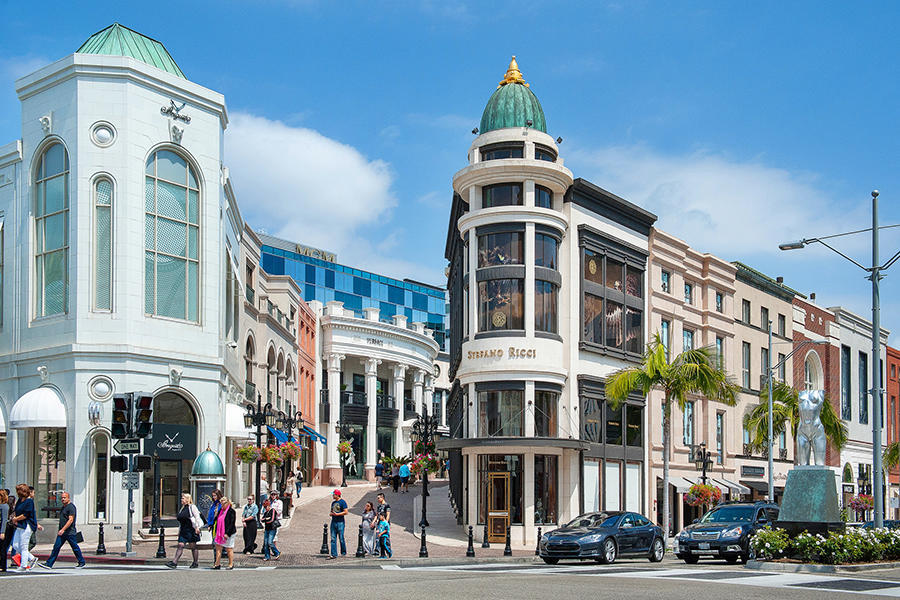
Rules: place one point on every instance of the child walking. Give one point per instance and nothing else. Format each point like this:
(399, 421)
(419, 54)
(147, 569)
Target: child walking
(384, 538)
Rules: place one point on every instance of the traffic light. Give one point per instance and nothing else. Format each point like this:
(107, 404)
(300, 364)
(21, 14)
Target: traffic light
(118, 463)
(143, 414)
(123, 408)
(142, 462)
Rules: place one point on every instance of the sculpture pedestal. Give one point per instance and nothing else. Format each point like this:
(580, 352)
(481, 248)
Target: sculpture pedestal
(810, 502)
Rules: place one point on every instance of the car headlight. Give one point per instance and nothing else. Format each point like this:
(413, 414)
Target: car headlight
(734, 532)
(593, 538)
(683, 536)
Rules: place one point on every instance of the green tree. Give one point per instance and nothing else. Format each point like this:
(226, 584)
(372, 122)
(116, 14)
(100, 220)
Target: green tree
(693, 371)
(786, 409)
(891, 456)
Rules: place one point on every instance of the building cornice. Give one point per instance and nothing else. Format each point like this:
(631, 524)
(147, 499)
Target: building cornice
(512, 214)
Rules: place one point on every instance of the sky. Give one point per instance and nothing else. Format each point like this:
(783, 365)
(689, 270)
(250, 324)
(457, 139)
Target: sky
(741, 125)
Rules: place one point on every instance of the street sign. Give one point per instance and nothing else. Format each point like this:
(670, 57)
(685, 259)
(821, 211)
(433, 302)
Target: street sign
(127, 446)
(131, 481)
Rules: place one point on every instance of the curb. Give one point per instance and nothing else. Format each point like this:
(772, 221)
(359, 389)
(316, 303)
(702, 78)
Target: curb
(421, 562)
(759, 565)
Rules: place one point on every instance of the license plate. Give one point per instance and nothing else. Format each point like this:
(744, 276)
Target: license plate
(703, 545)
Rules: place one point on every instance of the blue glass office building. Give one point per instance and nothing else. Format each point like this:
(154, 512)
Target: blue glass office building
(325, 280)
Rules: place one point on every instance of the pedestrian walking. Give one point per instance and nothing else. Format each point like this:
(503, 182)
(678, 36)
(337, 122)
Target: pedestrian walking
(339, 510)
(251, 511)
(215, 496)
(382, 508)
(270, 526)
(395, 477)
(10, 530)
(67, 533)
(5, 530)
(384, 539)
(290, 487)
(263, 486)
(26, 522)
(226, 531)
(379, 474)
(190, 522)
(368, 528)
(404, 477)
(299, 483)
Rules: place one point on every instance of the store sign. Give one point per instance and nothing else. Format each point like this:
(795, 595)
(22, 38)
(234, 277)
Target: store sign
(512, 353)
(752, 471)
(374, 342)
(315, 253)
(847, 488)
(172, 441)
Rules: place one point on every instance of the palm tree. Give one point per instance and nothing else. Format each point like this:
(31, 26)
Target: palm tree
(693, 371)
(786, 409)
(891, 456)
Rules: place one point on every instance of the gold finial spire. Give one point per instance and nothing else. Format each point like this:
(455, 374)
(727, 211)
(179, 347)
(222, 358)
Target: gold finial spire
(513, 74)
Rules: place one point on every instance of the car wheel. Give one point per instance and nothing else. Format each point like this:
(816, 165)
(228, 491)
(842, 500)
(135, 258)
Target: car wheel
(657, 551)
(731, 559)
(550, 561)
(609, 552)
(691, 560)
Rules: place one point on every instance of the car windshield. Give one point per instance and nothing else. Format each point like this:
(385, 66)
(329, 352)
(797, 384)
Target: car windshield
(729, 514)
(591, 521)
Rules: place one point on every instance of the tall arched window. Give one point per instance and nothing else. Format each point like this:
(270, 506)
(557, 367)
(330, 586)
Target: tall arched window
(51, 221)
(103, 198)
(172, 233)
(100, 478)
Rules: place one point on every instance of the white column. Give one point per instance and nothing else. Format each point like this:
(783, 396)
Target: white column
(530, 409)
(399, 374)
(371, 365)
(529, 273)
(334, 409)
(429, 395)
(418, 385)
(444, 395)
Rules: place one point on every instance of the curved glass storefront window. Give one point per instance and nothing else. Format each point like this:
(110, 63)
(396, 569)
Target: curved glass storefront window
(544, 153)
(545, 413)
(500, 304)
(545, 306)
(503, 194)
(543, 197)
(499, 151)
(504, 248)
(545, 489)
(500, 413)
(546, 251)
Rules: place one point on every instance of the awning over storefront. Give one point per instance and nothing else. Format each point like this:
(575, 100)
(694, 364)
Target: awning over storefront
(280, 436)
(681, 484)
(234, 422)
(736, 488)
(760, 486)
(40, 408)
(313, 434)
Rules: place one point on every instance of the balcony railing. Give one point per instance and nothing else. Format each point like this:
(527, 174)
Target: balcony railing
(384, 401)
(354, 398)
(409, 409)
(250, 293)
(250, 391)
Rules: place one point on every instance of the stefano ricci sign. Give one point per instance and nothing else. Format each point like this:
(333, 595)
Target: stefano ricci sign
(510, 353)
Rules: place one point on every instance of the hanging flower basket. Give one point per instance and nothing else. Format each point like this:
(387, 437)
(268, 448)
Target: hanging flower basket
(862, 503)
(345, 447)
(247, 454)
(427, 463)
(421, 448)
(272, 456)
(703, 495)
(290, 451)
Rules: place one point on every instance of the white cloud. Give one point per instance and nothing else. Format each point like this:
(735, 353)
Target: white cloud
(717, 204)
(303, 186)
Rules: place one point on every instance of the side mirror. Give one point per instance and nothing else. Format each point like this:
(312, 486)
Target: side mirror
(695, 521)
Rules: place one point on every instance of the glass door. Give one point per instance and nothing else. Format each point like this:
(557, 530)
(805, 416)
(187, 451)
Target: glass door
(498, 506)
(170, 485)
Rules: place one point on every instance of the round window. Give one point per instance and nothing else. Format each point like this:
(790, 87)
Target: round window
(103, 134)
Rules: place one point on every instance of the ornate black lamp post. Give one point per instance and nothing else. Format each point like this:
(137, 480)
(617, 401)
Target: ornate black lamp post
(703, 459)
(287, 423)
(423, 431)
(259, 415)
(342, 428)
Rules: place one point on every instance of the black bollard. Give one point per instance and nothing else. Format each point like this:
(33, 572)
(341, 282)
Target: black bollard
(101, 547)
(484, 539)
(470, 551)
(161, 550)
(324, 548)
(508, 550)
(423, 551)
(360, 552)
(537, 549)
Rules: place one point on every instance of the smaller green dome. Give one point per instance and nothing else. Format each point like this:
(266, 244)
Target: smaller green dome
(513, 104)
(208, 464)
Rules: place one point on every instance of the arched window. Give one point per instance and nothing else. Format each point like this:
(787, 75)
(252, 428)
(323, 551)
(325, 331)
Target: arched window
(811, 372)
(100, 477)
(51, 221)
(103, 198)
(172, 234)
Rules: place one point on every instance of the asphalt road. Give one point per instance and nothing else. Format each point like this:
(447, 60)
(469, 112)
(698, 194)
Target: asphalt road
(499, 581)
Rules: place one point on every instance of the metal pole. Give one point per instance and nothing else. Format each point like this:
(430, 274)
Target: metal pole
(258, 418)
(130, 524)
(771, 440)
(876, 371)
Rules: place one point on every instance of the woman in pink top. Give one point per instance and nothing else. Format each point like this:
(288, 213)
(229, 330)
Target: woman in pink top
(225, 533)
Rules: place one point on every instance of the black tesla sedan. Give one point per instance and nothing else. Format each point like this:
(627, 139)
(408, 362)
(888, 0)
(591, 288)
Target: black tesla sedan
(603, 536)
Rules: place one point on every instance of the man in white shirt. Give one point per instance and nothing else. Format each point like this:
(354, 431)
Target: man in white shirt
(263, 486)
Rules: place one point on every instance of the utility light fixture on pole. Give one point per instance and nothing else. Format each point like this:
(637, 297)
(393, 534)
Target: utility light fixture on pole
(875, 277)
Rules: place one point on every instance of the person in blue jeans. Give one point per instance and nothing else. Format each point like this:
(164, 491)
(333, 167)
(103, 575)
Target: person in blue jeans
(384, 539)
(404, 478)
(339, 510)
(66, 533)
(270, 522)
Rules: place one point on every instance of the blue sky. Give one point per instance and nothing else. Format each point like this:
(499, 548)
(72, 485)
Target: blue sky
(741, 124)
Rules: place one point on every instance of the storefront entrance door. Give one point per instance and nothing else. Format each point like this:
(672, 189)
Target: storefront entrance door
(171, 483)
(498, 506)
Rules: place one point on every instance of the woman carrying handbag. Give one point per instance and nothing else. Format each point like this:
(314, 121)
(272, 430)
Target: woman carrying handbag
(226, 531)
(189, 525)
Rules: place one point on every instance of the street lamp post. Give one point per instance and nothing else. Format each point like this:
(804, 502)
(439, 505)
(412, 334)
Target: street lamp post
(258, 416)
(423, 431)
(702, 459)
(285, 422)
(341, 429)
(875, 277)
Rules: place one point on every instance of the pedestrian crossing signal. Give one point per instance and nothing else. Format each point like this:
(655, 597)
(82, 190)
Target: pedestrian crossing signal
(118, 463)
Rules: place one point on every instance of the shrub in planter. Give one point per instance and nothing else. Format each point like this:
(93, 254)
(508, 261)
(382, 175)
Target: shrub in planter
(807, 547)
(770, 543)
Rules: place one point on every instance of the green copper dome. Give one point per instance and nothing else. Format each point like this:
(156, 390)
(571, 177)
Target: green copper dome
(208, 464)
(513, 104)
(118, 40)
